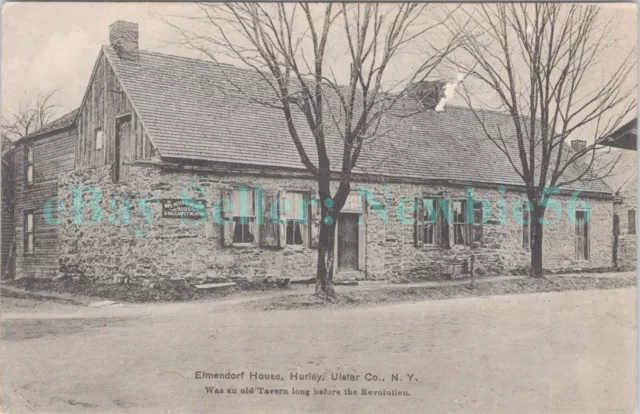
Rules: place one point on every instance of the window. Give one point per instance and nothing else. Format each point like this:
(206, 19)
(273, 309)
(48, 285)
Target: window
(28, 232)
(433, 221)
(99, 139)
(631, 222)
(526, 227)
(28, 164)
(244, 215)
(296, 217)
(582, 235)
(433, 224)
(459, 222)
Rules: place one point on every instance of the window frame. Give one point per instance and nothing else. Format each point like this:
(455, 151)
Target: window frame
(463, 224)
(29, 235)
(28, 164)
(305, 226)
(251, 219)
(99, 132)
(436, 225)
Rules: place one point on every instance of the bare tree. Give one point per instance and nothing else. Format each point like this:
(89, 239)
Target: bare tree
(540, 61)
(29, 117)
(286, 46)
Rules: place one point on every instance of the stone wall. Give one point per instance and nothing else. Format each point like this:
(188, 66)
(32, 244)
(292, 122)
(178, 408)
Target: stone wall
(501, 250)
(172, 248)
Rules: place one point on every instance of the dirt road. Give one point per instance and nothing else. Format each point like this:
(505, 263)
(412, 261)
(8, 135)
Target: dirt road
(550, 352)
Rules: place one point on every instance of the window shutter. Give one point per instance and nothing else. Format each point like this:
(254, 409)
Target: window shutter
(282, 228)
(419, 221)
(314, 219)
(586, 240)
(476, 227)
(446, 224)
(269, 231)
(229, 224)
(362, 237)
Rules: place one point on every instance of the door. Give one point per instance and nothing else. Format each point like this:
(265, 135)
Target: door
(582, 236)
(348, 242)
(123, 130)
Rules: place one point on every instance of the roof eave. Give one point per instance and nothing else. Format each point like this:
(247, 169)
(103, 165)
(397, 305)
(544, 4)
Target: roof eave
(221, 167)
(44, 133)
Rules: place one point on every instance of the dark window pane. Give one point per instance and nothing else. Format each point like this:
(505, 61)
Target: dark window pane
(242, 232)
(294, 232)
(289, 232)
(298, 237)
(631, 221)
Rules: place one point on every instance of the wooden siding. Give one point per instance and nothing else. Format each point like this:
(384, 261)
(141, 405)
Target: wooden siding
(52, 154)
(104, 103)
(7, 236)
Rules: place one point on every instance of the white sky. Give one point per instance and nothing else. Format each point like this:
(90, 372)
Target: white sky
(54, 45)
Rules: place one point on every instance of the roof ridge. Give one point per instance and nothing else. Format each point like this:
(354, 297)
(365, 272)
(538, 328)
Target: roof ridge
(229, 65)
(173, 56)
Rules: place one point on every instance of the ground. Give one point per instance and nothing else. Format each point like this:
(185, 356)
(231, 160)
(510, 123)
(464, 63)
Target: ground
(555, 352)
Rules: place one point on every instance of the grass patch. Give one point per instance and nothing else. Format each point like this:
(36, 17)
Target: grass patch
(395, 294)
(160, 291)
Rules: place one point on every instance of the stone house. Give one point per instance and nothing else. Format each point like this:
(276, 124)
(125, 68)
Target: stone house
(166, 170)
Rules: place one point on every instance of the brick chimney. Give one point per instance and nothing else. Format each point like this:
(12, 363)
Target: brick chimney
(429, 92)
(578, 145)
(123, 37)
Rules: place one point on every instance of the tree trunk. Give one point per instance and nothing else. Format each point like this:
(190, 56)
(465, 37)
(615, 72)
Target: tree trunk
(536, 245)
(326, 263)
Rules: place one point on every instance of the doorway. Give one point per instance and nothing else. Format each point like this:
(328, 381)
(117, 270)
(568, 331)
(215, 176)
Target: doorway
(122, 140)
(347, 246)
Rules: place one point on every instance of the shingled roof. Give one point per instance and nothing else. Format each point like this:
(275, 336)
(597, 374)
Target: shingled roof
(63, 122)
(191, 111)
